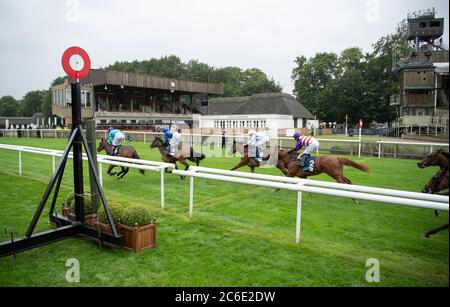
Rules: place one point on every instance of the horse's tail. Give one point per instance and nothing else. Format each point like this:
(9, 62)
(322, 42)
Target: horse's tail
(136, 156)
(348, 162)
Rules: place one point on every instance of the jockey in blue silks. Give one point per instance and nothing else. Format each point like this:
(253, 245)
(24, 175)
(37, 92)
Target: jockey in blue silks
(167, 137)
(115, 138)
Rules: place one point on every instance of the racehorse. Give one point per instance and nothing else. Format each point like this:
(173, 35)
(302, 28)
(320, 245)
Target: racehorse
(245, 159)
(437, 183)
(125, 152)
(330, 165)
(158, 142)
(439, 157)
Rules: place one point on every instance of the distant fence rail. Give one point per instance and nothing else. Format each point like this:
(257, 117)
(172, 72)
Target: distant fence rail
(393, 149)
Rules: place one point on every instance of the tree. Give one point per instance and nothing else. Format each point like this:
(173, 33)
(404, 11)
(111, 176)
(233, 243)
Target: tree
(236, 82)
(354, 84)
(31, 103)
(314, 80)
(8, 106)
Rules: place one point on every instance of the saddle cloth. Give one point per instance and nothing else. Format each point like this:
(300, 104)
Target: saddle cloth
(308, 166)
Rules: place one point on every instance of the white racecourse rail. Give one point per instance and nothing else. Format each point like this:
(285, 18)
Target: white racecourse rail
(101, 159)
(431, 145)
(398, 197)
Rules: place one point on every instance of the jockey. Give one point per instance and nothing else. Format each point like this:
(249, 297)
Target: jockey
(115, 137)
(167, 137)
(258, 140)
(174, 142)
(310, 142)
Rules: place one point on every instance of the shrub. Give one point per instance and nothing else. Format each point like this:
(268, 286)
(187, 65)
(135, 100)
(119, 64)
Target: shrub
(136, 216)
(70, 197)
(116, 211)
(88, 206)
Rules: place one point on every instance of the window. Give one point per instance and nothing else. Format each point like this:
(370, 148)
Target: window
(435, 24)
(88, 99)
(423, 25)
(103, 121)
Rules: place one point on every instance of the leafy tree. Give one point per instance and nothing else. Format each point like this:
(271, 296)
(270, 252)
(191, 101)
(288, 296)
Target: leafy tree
(8, 106)
(31, 103)
(236, 81)
(354, 84)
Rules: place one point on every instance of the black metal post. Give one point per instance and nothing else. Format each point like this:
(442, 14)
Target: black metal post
(58, 185)
(77, 153)
(93, 169)
(47, 192)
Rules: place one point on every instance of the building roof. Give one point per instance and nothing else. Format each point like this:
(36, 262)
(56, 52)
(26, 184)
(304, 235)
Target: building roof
(21, 120)
(267, 103)
(98, 77)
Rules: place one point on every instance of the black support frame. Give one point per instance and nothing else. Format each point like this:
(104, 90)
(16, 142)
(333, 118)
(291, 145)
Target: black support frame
(65, 228)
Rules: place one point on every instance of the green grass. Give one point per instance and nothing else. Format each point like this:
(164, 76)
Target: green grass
(239, 235)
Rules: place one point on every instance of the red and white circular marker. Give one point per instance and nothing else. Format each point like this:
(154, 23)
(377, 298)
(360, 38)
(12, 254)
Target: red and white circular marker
(76, 62)
(360, 123)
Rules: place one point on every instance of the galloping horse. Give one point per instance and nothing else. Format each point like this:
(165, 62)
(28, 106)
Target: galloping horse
(158, 142)
(437, 183)
(330, 165)
(439, 157)
(125, 152)
(245, 159)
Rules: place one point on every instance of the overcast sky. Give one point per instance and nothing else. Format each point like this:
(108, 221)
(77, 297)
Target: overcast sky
(244, 33)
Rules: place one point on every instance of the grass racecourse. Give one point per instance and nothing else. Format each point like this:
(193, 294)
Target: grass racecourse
(239, 236)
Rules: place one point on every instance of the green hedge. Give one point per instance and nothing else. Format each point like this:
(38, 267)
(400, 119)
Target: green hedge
(88, 206)
(116, 211)
(136, 216)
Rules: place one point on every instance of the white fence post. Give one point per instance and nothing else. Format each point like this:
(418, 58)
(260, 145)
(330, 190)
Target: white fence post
(191, 197)
(359, 144)
(299, 216)
(379, 150)
(145, 137)
(53, 163)
(100, 173)
(20, 163)
(162, 187)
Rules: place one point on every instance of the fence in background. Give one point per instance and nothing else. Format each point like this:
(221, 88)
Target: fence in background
(213, 144)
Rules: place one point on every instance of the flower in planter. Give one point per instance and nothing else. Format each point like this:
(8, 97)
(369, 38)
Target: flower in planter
(88, 206)
(136, 216)
(116, 211)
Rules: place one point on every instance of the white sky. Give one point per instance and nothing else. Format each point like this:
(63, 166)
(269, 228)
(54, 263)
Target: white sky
(267, 34)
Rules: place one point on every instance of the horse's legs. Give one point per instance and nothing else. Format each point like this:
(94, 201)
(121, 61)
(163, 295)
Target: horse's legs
(110, 169)
(122, 170)
(435, 231)
(127, 169)
(243, 162)
(252, 168)
(340, 178)
(280, 166)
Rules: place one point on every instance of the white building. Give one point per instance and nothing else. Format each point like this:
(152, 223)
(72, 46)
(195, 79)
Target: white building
(260, 111)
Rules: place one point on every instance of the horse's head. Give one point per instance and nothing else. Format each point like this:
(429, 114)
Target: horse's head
(157, 142)
(432, 159)
(437, 183)
(102, 145)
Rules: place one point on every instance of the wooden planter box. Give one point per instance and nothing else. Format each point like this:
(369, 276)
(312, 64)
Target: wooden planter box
(89, 219)
(138, 239)
(105, 227)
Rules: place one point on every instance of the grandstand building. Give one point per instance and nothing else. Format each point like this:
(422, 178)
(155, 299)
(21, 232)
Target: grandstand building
(133, 101)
